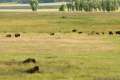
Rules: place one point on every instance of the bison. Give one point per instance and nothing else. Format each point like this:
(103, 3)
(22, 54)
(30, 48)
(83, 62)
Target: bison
(110, 33)
(17, 35)
(80, 32)
(33, 70)
(52, 34)
(117, 32)
(8, 35)
(97, 33)
(103, 33)
(74, 30)
(29, 60)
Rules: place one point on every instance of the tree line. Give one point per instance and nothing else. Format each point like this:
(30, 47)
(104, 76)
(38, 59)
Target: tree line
(23, 1)
(91, 5)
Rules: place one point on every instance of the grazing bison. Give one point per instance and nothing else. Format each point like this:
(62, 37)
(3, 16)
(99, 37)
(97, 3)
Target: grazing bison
(97, 33)
(17, 35)
(8, 35)
(33, 70)
(80, 32)
(103, 33)
(74, 30)
(117, 32)
(110, 33)
(52, 34)
(29, 60)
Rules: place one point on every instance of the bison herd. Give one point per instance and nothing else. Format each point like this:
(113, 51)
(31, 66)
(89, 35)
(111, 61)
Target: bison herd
(35, 68)
(98, 33)
(93, 32)
(18, 35)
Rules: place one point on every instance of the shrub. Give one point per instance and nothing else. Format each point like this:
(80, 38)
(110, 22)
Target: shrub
(62, 8)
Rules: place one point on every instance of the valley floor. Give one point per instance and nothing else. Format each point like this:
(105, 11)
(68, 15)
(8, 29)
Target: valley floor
(67, 54)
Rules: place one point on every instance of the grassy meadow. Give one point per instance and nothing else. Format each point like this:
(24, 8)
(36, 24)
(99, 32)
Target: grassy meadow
(66, 55)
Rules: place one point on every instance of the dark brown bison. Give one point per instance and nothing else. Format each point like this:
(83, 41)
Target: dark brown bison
(97, 33)
(52, 34)
(33, 70)
(8, 35)
(103, 33)
(110, 33)
(117, 32)
(80, 32)
(17, 35)
(29, 60)
(74, 30)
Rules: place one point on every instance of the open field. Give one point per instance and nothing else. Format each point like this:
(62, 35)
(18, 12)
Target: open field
(58, 22)
(28, 10)
(66, 55)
